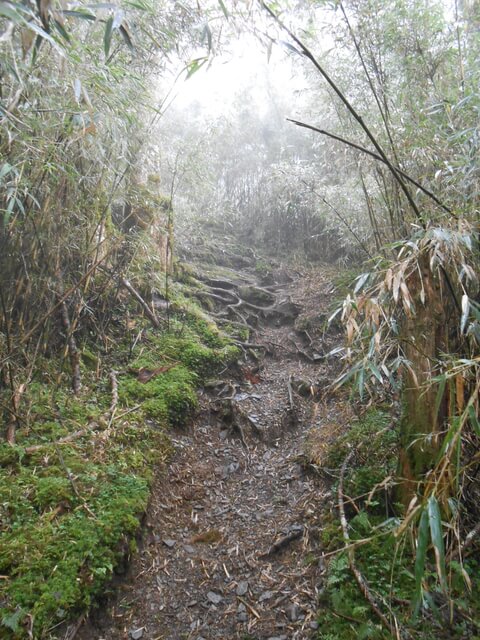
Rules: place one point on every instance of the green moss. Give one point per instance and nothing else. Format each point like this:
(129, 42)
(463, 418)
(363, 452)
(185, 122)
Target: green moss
(375, 440)
(51, 491)
(69, 510)
(59, 546)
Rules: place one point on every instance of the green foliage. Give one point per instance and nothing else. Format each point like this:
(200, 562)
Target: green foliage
(396, 573)
(375, 440)
(68, 510)
(166, 398)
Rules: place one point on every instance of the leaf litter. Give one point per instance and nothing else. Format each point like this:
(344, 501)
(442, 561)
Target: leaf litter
(232, 540)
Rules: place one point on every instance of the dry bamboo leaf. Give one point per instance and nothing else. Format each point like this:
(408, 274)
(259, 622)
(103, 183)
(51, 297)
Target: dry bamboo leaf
(413, 375)
(396, 284)
(460, 392)
(145, 375)
(406, 299)
(389, 279)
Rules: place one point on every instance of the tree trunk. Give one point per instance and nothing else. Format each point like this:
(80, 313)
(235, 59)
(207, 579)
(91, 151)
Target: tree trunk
(426, 336)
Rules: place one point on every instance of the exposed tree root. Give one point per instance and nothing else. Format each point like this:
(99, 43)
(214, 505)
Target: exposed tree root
(283, 542)
(236, 297)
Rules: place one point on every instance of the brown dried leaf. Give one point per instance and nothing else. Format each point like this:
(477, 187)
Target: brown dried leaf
(460, 389)
(389, 279)
(396, 284)
(406, 298)
(145, 375)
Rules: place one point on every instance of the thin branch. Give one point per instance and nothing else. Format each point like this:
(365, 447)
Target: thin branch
(343, 220)
(72, 349)
(383, 113)
(374, 155)
(148, 311)
(304, 51)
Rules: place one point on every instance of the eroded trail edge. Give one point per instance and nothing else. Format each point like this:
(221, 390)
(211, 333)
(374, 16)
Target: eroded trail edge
(232, 547)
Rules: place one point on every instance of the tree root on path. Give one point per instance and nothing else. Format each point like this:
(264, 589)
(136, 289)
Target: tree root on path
(235, 297)
(237, 419)
(283, 542)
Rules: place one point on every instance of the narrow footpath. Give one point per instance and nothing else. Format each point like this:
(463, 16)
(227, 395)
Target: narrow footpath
(232, 541)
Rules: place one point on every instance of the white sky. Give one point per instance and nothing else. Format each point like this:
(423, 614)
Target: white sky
(213, 88)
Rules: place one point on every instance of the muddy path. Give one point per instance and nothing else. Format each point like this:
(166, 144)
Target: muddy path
(232, 541)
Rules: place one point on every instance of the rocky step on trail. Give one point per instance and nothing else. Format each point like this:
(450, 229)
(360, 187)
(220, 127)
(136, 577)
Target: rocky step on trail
(231, 547)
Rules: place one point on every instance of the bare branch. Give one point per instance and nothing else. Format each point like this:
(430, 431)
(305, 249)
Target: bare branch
(304, 51)
(374, 155)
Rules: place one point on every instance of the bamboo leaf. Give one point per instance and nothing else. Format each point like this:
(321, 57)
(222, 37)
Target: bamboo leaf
(46, 36)
(62, 31)
(447, 440)
(107, 37)
(334, 315)
(223, 8)
(435, 522)
(5, 169)
(376, 372)
(361, 382)
(126, 36)
(465, 312)
(81, 15)
(345, 377)
(420, 558)
(195, 65)
(396, 285)
(207, 35)
(361, 280)
(290, 47)
(474, 420)
(8, 211)
(10, 13)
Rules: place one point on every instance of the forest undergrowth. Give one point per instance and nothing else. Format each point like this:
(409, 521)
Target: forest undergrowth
(382, 554)
(374, 159)
(77, 482)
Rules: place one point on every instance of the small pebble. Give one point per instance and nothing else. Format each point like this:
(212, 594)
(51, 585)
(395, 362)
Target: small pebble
(136, 634)
(242, 588)
(292, 612)
(242, 617)
(214, 598)
(169, 543)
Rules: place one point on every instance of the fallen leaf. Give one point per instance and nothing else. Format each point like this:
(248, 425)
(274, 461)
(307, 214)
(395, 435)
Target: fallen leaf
(145, 375)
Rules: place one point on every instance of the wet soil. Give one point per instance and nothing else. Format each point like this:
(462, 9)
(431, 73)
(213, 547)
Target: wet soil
(232, 541)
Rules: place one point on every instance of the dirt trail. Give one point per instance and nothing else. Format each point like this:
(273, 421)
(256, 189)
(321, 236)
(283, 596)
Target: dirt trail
(232, 542)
